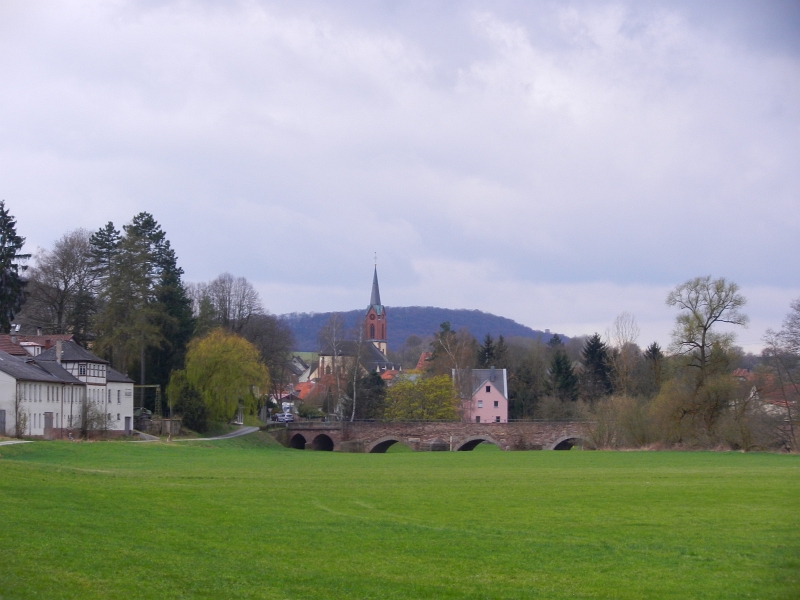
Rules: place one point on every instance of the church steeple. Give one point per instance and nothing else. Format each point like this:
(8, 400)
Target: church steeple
(375, 299)
(375, 319)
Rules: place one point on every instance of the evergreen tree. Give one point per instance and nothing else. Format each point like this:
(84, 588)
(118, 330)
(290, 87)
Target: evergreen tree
(174, 319)
(596, 380)
(371, 396)
(501, 353)
(563, 382)
(486, 352)
(654, 359)
(491, 353)
(12, 286)
(105, 245)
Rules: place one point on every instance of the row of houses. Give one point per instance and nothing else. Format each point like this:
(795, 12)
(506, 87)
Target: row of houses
(51, 387)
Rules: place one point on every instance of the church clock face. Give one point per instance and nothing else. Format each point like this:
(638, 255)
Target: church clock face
(372, 317)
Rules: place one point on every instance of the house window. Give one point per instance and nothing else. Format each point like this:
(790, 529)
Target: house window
(81, 369)
(372, 332)
(497, 419)
(497, 404)
(478, 419)
(488, 389)
(119, 399)
(480, 403)
(118, 417)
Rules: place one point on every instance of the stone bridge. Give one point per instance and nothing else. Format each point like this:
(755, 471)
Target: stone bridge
(364, 436)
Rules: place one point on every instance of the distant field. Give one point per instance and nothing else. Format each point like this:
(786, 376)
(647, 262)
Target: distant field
(243, 518)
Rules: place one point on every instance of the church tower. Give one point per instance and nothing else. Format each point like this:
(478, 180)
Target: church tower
(375, 320)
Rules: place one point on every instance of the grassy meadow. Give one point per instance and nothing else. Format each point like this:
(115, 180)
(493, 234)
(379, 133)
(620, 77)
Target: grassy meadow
(244, 518)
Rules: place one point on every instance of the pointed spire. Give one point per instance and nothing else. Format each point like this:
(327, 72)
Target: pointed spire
(375, 299)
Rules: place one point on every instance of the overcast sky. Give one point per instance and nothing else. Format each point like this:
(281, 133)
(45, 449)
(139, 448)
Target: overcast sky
(553, 162)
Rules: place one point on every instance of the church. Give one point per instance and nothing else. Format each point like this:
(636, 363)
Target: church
(374, 348)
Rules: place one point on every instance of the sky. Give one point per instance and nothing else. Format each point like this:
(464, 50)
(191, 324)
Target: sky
(556, 163)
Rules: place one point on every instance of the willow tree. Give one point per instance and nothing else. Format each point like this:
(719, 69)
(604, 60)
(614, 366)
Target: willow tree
(226, 371)
(432, 399)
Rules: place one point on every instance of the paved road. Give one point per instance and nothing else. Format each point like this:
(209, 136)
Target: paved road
(239, 432)
(15, 442)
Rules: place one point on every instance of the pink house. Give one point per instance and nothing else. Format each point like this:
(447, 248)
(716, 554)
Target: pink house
(489, 400)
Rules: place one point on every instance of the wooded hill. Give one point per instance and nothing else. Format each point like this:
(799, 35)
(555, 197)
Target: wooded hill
(404, 321)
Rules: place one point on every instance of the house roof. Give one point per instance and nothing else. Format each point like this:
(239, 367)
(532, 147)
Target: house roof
(297, 366)
(13, 348)
(372, 359)
(423, 358)
(56, 370)
(494, 377)
(304, 389)
(117, 377)
(25, 370)
(71, 352)
(13, 342)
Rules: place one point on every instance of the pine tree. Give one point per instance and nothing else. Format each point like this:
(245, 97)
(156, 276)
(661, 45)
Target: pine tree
(563, 381)
(12, 286)
(105, 246)
(596, 368)
(654, 359)
(486, 353)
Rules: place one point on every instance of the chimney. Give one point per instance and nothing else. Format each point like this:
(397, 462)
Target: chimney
(58, 351)
(491, 375)
(38, 331)
(13, 339)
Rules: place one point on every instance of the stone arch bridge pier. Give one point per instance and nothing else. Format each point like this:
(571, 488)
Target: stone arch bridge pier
(376, 437)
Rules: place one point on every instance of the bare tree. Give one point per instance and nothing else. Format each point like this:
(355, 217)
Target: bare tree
(61, 285)
(454, 354)
(625, 353)
(332, 342)
(235, 301)
(359, 348)
(273, 338)
(20, 415)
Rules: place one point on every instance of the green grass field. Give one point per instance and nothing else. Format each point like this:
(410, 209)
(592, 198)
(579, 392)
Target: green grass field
(243, 518)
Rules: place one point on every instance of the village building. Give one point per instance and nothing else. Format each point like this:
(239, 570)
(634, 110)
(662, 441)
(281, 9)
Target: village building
(487, 399)
(60, 390)
(339, 355)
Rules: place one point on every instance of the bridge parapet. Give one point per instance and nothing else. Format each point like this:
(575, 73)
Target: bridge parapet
(365, 436)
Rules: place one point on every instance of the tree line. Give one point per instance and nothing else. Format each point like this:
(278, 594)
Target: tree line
(695, 393)
(121, 292)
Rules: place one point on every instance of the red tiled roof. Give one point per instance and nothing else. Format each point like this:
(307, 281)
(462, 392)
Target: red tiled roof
(11, 343)
(425, 356)
(388, 375)
(304, 389)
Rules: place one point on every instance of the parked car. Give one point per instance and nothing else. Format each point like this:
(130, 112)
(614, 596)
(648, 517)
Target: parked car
(283, 417)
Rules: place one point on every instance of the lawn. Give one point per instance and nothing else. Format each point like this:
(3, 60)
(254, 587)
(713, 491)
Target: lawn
(242, 518)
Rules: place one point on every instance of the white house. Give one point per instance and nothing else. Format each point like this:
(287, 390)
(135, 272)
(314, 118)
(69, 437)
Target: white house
(47, 393)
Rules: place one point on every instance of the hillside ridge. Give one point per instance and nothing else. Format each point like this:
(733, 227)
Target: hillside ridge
(404, 321)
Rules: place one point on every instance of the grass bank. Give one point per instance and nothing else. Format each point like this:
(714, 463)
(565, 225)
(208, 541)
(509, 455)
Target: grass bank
(243, 518)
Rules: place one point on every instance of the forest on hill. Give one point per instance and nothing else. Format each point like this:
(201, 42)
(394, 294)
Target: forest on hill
(404, 321)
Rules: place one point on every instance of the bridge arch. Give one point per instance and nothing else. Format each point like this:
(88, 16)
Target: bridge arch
(322, 442)
(380, 446)
(472, 442)
(568, 442)
(298, 441)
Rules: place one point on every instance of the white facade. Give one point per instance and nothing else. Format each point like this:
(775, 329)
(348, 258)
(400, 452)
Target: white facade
(52, 398)
(40, 404)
